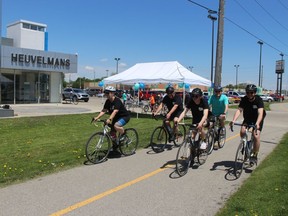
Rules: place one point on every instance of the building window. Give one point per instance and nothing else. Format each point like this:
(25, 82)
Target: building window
(33, 27)
(26, 25)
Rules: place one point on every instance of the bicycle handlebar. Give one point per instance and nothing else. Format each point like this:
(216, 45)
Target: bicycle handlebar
(253, 126)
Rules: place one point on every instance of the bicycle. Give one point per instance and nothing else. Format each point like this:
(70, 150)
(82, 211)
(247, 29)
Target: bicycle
(189, 150)
(216, 133)
(244, 151)
(72, 99)
(159, 137)
(100, 143)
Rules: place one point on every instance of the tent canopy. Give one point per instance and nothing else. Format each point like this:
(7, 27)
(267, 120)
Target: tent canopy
(157, 72)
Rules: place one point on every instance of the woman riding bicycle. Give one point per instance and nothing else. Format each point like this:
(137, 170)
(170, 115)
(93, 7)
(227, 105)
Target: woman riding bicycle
(119, 116)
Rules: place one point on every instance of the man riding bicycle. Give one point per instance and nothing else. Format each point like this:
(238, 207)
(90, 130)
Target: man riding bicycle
(219, 104)
(119, 116)
(175, 108)
(252, 107)
(200, 110)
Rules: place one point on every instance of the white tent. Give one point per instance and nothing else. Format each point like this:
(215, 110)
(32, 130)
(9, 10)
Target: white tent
(157, 72)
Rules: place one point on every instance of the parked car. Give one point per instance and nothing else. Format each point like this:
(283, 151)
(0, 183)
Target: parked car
(266, 98)
(93, 91)
(277, 97)
(69, 93)
(232, 99)
(234, 93)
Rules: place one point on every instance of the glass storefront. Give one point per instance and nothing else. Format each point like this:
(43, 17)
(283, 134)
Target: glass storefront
(29, 87)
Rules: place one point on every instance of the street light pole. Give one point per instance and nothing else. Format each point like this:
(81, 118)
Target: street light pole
(213, 19)
(260, 63)
(236, 66)
(117, 60)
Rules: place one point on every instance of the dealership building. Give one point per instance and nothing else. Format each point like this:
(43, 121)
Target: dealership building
(29, 73)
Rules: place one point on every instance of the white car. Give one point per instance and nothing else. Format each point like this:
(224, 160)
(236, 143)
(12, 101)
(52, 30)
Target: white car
(266, 98)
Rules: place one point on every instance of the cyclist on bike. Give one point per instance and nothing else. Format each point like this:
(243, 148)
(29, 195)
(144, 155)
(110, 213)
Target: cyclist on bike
(119, 116)
(200, 110)
(252, 107)
(219, 104)
(175, 107)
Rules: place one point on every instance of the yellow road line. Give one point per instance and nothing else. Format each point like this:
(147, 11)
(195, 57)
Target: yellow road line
(118, 188)
(106, 193)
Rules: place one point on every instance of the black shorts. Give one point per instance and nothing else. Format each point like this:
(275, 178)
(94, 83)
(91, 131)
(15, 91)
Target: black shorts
(253, 123)
(175, 114)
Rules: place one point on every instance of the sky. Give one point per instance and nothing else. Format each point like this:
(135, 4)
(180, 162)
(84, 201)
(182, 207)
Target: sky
(162, 30)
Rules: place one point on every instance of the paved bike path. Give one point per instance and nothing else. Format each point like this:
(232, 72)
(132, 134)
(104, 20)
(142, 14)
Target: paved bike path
(137, 185)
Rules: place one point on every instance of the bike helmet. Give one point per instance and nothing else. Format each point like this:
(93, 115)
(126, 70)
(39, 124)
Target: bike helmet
(197, 91)
(109, 89)
(218, 88)
(251, 87)
(169, 90)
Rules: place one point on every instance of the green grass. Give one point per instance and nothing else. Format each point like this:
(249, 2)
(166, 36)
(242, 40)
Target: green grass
(266, 190)
(266, 106)
(35, 146)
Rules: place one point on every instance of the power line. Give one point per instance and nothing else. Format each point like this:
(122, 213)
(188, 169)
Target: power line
(260, 24)
(283, 5)
(271, 15)
(254, 35)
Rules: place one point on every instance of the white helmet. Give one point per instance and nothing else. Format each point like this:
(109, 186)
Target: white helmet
(109, 89)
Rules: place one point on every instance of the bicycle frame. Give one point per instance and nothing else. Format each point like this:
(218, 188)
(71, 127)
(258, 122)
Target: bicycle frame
(244, 150)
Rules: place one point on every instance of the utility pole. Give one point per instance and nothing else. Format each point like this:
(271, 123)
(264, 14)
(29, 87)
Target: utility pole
(219, 48)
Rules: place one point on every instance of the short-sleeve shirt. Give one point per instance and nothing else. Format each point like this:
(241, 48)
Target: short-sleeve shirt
(197, 110)
(218, 104)
(170, 102)
(250, 108)
(116, 104)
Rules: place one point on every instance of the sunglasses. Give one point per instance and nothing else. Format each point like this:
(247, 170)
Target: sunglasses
(250, 92)
(217, 91)
(195, 96)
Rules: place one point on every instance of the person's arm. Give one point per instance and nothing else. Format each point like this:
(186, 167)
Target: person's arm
(100, 114)
(260, 117)
(172, 110)
(113, 114)
(159, 108)
(236, 115)
(205, 116)
(182, 115)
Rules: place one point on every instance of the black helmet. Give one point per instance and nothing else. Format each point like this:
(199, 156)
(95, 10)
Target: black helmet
(218, 88)
(169, 90)
(251, 87)
(197, 91)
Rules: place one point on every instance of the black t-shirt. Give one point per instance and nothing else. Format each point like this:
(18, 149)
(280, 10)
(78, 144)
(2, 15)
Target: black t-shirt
(250, 109)
(197, 110)
(116, 104)
(170, 102)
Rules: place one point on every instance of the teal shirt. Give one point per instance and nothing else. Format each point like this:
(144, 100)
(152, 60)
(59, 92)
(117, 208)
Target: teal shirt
(218, 104)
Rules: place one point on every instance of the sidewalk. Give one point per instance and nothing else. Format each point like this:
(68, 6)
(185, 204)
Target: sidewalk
(24, 110)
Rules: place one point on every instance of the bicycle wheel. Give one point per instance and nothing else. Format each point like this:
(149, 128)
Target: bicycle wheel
(97, 148)
(130, 143)
(180, 135)
(74, 100)
(210, 140)
(202, 156)
(146, 108)
(183, 158)
(158, 139)
(221, 137)
(239, 160)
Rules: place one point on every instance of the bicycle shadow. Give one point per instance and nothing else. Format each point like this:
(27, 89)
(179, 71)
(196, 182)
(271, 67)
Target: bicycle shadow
(172, 165)
(168, 147)
(228, 167)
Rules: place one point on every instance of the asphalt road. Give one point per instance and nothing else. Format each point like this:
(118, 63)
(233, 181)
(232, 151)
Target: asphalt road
(142, 184)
